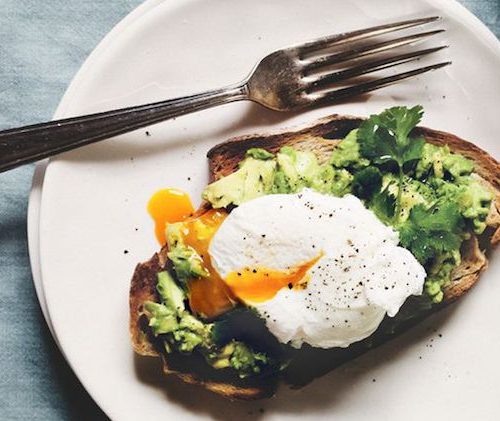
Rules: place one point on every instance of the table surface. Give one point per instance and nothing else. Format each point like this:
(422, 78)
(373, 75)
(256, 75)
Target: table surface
(42, 45)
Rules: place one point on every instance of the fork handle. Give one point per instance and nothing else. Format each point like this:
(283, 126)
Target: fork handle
(31, 143)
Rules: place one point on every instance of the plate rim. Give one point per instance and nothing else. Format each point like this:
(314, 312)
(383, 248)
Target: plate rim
(37, 181)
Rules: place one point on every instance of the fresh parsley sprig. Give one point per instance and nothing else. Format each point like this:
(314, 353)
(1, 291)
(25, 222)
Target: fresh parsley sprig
(385, 138)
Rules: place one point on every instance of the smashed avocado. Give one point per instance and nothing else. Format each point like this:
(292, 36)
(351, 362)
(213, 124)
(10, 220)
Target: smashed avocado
(187, 263)
(182, 332)
(288, 171)
(426, 192)
(347, 154)
(440, 162)
(429, 194)
(254, 178)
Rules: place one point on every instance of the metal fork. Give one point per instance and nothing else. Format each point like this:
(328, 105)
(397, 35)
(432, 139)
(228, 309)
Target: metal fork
(286, 80)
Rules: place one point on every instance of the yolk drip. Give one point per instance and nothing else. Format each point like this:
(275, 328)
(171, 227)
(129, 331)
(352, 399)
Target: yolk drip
(208, 296)
(261, 284)
(168, 206)
(212, 296)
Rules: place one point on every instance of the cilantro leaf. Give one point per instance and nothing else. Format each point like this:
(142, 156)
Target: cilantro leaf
(383, 205)
(414, 150)
(367, 182)
(376, 143)
(430, 231)
(385, 137)
(400, 121)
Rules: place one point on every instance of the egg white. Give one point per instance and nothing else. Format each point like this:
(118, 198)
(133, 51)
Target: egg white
(362, 274)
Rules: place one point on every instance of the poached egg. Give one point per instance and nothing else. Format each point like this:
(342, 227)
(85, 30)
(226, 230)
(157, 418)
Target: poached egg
(319, 269)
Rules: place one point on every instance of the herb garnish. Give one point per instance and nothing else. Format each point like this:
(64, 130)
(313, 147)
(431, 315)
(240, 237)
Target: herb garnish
(431, 231)
(385, 138)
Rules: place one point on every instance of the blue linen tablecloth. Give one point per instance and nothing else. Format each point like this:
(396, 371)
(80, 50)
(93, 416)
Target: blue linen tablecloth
(42, 45)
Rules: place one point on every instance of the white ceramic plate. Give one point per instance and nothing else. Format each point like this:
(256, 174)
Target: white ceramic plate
(35, 197)
(93, 207)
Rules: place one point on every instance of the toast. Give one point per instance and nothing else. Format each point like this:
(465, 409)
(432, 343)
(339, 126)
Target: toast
(309, 363)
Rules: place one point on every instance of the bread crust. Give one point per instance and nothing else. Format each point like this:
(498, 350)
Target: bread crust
(321, 138)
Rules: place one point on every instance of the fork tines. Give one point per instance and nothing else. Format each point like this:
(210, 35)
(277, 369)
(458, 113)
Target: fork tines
(340, 58)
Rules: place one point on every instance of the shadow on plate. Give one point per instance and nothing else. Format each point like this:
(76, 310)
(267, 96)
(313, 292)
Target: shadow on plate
(324, 392)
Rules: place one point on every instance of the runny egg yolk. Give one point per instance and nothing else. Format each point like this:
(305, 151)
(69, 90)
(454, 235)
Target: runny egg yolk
(261, 284)
(211, 296)
(168, 206)
(208, 296)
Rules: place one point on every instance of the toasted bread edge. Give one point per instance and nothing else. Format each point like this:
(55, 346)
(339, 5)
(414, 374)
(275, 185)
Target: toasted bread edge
(321, 138)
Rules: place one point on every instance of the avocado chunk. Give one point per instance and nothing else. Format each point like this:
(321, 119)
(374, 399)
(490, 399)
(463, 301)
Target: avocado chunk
(240, 357)
(170, 293)
(253, 179)
(431, 162)
(172, 306)
(182, 332)
(475, 203)
(259, 153)
(413, 192)
(297, 169)
(439, 274)
(161, 318)
(457, 165)
(439, 161)
(245, 360)
(471, 196)
(187, 262)
(280, 183)
(332, 180)
(262, 173)
(347, 155)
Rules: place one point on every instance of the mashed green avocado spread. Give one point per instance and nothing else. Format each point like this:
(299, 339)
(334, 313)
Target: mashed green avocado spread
(430, 195)
(185, 260)
(426, 192)
(184, 333)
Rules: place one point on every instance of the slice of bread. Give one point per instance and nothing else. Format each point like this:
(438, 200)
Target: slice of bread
(308, 363)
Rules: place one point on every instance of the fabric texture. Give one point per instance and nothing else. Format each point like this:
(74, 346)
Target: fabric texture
(42, 45)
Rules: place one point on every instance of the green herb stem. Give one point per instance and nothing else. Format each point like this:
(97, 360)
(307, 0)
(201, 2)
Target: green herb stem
(397, 213)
